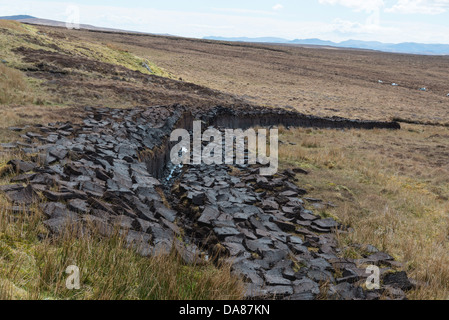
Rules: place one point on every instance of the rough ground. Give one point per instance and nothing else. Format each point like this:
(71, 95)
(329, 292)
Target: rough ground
(102, 174)
(323, 82)
(392, 184)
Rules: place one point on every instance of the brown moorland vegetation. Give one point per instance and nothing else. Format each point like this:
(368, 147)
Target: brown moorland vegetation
(324, 82)
(391, 187)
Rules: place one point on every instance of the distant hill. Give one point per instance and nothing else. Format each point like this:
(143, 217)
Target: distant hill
(21, 17)
(244, 39)
(315, 42)
(54, 23)
(406, 47)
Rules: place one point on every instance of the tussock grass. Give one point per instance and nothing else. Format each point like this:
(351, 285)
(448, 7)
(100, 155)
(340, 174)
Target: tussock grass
(31, 268)
(19, 91)
(15, 87)
(390, 186)
(12, 86)
(11, 25)
(18, 115)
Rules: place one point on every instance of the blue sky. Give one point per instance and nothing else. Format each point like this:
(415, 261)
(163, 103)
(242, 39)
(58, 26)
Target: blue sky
(337, 20)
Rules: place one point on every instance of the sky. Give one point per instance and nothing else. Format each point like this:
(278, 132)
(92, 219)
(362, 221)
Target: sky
(393, 21)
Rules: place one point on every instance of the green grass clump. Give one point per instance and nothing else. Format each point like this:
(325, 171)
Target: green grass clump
(31, 268)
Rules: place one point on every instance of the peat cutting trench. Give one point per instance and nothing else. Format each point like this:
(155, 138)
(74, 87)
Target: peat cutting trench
(112, 171)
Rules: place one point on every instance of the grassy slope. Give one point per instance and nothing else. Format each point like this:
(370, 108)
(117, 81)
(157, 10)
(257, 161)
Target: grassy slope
(15, 35)
(32, 265)
(17, 89)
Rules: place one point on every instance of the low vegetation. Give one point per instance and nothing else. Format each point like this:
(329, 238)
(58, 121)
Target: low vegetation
(31, 268)
(18, 86)
(391, 187)
(12, 86)
(15, 35)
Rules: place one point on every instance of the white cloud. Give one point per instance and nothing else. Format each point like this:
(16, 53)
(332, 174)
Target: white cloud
(419, 7)
(357, 5)
(278, 7)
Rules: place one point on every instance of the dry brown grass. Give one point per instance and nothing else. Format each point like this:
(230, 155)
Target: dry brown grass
(11, 25)
(65, 70)
(27, 114)
(12, 86)
(116, 47)
(34, 269)
(315, 81)
(390, 186)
